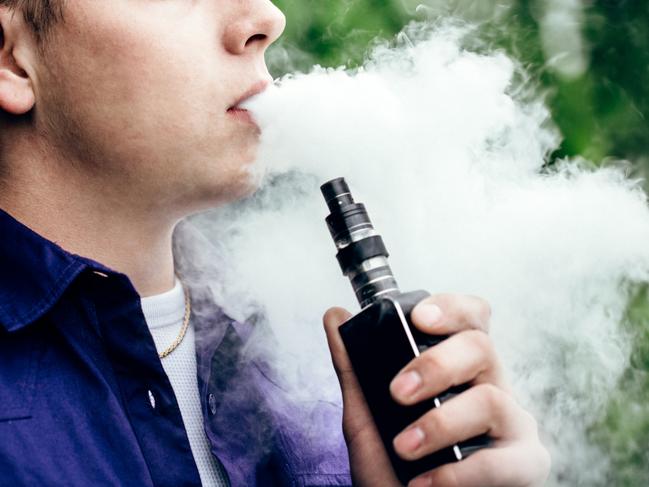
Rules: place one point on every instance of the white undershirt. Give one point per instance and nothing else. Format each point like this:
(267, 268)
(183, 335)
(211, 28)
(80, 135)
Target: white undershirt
(164, 314)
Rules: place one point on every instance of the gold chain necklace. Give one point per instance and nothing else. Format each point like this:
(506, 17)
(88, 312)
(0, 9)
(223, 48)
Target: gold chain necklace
(183, 330)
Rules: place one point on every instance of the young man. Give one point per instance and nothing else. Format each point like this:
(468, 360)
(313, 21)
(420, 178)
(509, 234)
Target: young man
(119, 118)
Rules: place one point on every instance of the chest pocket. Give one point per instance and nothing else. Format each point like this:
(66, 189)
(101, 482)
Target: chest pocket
(19, 362)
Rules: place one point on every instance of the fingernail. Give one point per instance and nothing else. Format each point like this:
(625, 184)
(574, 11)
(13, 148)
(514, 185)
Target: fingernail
(405, 385)
(430, 314)
(409, 440)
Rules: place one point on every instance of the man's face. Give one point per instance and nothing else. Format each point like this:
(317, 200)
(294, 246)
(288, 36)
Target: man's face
(138, 92)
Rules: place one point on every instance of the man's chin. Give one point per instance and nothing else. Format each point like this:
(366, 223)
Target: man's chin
(241, 187)
(243, 191)
(255, 172)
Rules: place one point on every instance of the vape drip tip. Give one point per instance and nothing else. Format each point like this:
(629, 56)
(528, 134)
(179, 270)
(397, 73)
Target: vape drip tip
(362, 255)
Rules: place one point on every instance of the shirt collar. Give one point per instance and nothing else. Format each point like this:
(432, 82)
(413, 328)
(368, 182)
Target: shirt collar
(34, 273)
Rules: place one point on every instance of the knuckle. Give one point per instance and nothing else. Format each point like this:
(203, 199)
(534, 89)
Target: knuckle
(481, 341)
(485, 310)
(435, 367)
(482, 313)
(432, 361)
(493, 398)
(436, 425)
(484, 463)
(445, 476)
(531, 425)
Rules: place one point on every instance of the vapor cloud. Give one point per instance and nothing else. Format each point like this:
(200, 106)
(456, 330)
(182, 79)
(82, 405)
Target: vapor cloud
(446, 147)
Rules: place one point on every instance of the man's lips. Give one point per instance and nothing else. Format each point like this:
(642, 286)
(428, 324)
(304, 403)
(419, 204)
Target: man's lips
(242, 114)
(255, 89)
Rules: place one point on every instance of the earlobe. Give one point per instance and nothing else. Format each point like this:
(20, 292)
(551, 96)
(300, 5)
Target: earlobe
(16, 90)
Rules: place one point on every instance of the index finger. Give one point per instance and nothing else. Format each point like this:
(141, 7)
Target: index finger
(446, 314)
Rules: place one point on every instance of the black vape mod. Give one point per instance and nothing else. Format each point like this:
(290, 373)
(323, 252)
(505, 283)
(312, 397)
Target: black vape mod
(380, 339)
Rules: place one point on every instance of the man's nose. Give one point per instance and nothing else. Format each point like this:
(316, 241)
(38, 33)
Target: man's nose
(256, 26)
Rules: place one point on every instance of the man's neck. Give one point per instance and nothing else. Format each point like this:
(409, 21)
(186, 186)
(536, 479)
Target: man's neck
(79, 214)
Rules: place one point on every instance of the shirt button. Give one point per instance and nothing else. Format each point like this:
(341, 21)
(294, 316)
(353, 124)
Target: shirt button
(151, 399)
(100, 274)
(211, 401)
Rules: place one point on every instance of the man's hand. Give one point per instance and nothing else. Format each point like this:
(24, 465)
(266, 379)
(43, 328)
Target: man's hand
(516, 457)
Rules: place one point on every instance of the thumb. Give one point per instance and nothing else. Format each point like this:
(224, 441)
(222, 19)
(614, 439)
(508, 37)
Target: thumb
(357, 420)
(333, 318)
(352, 394)
(368, 459)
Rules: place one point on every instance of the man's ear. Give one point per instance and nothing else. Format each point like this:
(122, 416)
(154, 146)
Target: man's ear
(16, 90)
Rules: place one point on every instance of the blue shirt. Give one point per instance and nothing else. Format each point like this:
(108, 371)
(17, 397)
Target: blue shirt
(78, 367)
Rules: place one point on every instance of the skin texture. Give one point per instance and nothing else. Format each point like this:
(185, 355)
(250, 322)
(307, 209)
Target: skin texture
(127, 128)
(118, 126)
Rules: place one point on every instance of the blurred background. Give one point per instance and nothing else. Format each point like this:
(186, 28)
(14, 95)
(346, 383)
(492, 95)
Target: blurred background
(591, 60)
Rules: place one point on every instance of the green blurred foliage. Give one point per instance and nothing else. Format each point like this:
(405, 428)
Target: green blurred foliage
(602, 112)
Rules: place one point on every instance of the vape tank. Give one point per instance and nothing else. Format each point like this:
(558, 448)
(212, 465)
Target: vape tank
(380, 339)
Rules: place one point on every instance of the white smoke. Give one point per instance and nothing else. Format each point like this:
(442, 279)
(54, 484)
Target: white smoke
(561, 28)
(447, 151)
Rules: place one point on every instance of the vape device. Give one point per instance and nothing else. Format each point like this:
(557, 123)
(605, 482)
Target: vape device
(380, 339)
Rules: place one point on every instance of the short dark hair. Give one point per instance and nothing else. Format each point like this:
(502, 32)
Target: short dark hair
(41, 15)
